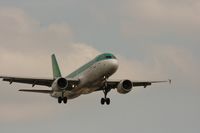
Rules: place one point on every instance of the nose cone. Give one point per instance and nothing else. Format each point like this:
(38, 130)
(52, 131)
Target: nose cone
(113, 66)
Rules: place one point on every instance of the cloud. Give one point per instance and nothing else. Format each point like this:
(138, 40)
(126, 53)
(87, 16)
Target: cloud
(160, 63)
(155, 17)
(21, 33)
(39, 64)
(179, 57)
(178, 62)
(26, 47)
(24, 41)
(25, 112)
(25, 50)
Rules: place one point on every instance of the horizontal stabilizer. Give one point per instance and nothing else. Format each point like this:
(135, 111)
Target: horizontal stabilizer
(38, 91)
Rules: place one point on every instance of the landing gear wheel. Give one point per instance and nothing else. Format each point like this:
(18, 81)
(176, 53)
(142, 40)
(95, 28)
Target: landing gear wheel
(65, 100)
(59, 100)
(102, 101)
(107, 101)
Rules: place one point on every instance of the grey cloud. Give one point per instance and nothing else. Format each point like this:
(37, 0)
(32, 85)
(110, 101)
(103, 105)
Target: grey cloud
(21, 32)
(24, 41)
(25, 49)
(154, 17)
(12, 113)
(164, 61)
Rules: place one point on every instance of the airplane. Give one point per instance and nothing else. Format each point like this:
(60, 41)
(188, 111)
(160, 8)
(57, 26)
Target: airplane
(91, 77)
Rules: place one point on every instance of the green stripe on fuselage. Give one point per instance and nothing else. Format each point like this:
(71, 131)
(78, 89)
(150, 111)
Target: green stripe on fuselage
(105, 56)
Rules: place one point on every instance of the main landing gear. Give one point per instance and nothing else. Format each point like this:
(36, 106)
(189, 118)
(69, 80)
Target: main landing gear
(60, 99)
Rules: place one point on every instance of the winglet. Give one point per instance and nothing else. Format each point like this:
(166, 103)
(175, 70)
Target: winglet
(55, 67)
(170, 81)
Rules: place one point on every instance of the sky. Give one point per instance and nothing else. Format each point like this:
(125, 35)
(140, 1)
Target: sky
(152, 39)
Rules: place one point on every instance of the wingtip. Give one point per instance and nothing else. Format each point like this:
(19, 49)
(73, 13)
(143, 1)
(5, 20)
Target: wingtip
(170, 81)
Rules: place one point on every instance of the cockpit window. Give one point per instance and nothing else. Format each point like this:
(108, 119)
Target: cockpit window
(114, 57)
(109, 57)
(105, 56)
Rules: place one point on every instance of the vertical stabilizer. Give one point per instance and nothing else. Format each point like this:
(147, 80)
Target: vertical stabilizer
(55, 67)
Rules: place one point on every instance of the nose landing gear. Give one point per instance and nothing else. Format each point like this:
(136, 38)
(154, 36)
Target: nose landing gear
(105, 91)
(105, 100)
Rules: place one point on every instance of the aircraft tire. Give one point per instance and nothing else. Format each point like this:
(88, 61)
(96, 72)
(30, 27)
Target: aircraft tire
(107, 101)
(59, 100)
(102, 101)
(65, 100)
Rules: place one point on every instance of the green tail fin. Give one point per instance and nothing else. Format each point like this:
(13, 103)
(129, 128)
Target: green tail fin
(55, 67)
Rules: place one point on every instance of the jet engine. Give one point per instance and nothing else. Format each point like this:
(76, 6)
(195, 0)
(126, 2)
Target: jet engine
(125, 86)
(60, 84)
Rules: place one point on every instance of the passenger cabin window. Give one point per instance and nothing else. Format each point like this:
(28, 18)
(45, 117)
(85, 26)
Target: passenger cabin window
(109, 57)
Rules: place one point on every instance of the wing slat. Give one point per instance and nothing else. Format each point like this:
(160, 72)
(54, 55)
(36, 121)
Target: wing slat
(37, 91)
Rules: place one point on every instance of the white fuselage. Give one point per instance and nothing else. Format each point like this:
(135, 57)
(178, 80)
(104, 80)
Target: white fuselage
(91, 79)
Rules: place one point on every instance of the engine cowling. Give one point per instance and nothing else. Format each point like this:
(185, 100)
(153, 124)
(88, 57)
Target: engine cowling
(60, 84)
(125, 86)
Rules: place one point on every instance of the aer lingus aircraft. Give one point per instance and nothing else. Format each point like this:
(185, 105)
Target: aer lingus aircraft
(89, 78)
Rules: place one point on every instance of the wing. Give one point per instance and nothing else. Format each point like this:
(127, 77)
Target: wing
(114, 84)
(33, 81)
(37, 81)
